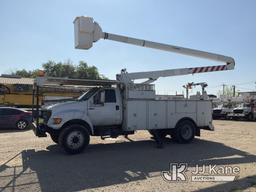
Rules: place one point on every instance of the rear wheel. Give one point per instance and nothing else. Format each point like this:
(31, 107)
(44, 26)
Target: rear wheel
(21, 124)
(74, 138)
(185, 131)
(250, 117)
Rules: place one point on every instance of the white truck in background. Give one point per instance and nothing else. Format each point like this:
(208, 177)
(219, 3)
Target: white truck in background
(222, 111)
(244, 111)
(121, 106)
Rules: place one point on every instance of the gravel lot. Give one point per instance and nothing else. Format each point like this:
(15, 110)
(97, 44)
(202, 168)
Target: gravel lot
(28, 163)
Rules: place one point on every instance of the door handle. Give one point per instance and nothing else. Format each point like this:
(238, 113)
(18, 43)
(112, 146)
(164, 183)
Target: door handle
(117, 107)
(91, 108)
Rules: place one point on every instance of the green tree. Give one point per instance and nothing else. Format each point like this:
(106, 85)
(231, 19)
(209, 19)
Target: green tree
(48, 67)
(23, 73)
(82, 70)
(64, 69)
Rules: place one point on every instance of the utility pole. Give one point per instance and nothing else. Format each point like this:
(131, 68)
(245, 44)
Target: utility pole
(223, 89)
(234, 90)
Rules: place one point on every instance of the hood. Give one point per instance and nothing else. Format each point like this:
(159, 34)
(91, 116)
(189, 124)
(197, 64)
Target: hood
(68, 106)
(242, 108)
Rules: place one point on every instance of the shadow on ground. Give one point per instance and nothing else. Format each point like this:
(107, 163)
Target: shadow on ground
(116, 163)
(236, 186)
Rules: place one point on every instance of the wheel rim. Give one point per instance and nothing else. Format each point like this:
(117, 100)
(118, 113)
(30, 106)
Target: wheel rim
(21, 124)
(186, 132)
(75, 139)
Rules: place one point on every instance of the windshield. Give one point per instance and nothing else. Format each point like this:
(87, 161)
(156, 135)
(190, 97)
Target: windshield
(242, 105)
(88, 94)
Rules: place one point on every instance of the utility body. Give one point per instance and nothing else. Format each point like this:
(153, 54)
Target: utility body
(122, 107)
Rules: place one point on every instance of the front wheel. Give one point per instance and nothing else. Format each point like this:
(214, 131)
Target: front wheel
(74, 138)
(185, 131)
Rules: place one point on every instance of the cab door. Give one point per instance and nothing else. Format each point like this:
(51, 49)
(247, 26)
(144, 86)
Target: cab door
(104, 108)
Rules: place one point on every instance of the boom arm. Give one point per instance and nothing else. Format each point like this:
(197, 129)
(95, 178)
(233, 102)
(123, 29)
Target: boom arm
(169, 48)
(88, 31)
(154, 75)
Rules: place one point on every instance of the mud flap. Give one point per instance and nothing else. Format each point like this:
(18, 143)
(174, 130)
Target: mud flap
(198, 132)
(210, 127)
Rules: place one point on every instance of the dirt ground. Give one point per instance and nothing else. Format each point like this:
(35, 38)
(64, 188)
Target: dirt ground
(28, 163)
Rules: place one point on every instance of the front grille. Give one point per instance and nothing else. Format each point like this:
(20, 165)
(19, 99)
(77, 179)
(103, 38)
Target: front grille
(238, 111)
(46, 114)
(217, 111)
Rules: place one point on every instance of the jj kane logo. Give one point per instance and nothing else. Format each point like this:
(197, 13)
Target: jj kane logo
(178, 172)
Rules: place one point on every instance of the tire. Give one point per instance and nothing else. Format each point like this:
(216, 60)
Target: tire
(250, 117)
(185, 132)
(21, 124)
(74, 139)
(55, 138)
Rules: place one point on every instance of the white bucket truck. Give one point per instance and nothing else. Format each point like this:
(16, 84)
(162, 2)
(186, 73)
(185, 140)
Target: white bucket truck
(121, 107)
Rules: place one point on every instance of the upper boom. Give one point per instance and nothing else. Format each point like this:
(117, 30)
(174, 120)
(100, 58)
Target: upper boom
(88, 31)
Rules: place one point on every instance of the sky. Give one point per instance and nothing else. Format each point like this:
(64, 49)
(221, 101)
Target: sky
(33, 32)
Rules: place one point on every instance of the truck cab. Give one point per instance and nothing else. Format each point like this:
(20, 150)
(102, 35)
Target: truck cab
(97, 107)
(97, 112)
(105, 103)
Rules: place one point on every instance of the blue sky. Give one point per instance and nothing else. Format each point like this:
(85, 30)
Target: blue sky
(33, 32)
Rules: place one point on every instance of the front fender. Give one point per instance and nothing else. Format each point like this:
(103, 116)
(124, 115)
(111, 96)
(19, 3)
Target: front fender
(67, 116)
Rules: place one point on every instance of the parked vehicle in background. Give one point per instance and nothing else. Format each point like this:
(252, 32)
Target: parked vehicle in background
(244, 111)
(222, 111)
(14, 118)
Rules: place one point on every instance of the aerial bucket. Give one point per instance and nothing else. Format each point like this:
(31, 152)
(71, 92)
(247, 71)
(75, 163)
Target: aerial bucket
(87, 31)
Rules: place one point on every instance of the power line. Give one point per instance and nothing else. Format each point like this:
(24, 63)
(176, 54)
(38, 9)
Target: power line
(247, 88)
(226, 84)
(246, 83)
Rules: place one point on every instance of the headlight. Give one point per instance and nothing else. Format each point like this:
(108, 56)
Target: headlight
(57, 120)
